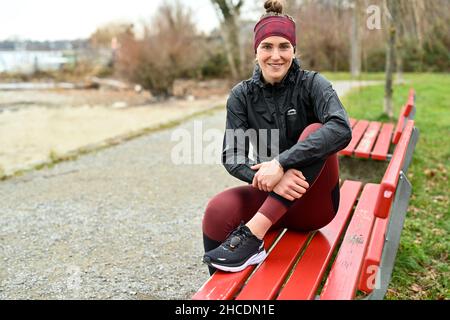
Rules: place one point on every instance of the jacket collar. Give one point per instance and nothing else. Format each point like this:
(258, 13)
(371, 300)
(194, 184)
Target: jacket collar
(289, 78)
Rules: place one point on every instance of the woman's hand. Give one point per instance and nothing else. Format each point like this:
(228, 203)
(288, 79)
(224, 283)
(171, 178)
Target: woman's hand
(292, 186)
(268, 175)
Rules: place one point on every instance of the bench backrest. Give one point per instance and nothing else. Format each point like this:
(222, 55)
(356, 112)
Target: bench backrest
(390, 178)
(385, 207)
(364, 241)
(407, 112)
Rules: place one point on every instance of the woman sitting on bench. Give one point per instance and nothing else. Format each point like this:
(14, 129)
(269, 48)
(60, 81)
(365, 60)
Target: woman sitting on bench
(301, 124)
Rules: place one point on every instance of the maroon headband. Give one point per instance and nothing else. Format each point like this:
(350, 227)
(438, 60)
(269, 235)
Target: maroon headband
(274, 26)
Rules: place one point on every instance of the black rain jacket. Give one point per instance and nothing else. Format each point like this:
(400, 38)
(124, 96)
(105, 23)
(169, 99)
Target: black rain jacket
(300, 99)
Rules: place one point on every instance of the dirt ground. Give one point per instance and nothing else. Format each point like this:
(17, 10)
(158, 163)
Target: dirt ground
(36, 126)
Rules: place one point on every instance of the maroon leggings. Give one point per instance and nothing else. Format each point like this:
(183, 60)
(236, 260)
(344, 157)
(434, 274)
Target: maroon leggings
(315, 209)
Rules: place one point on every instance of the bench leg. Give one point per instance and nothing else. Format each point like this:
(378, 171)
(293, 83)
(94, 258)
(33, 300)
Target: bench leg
(397, 218)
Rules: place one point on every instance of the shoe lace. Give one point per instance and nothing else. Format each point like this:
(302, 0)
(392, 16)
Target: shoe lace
(235, 238)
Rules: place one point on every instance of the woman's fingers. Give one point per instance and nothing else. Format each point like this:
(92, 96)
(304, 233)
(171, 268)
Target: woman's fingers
(260, 186)
(283, 191)
(302, 183)
(258, 183)
(256, 166)
(294, 194)
(263, 187)
(298, 188)
(287, 196)
(299, 174)
(255, 181)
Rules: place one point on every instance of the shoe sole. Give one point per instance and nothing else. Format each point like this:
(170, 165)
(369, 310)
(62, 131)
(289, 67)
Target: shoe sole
(255, 259)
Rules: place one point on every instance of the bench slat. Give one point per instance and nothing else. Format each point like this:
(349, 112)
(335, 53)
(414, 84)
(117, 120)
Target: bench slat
(381, 148)
(357, 133)
(352, 122)
(306, 278)
(368, 140)
(345, 272)
(267, 280)
(224, 285)
(373, 256)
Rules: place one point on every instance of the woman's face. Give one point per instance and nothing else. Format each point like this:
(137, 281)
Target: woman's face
(274, 55)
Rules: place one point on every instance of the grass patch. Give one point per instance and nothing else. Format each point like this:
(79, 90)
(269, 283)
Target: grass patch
(422, 269)
(335, 76)
(366, 171)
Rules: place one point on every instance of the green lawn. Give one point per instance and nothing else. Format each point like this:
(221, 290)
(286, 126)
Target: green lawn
(422, 267)
(347, 76)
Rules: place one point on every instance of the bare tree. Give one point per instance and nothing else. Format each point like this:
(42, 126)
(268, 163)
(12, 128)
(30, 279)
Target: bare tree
(408, 26)
(355, 56)
(229, 14)
(323, 40)
(418, 18)
(409, 21)
(419, 9)
(415, 23)
(169, 50)
(391, 14)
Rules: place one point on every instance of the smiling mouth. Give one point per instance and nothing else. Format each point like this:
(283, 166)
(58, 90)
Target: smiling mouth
(276, 65)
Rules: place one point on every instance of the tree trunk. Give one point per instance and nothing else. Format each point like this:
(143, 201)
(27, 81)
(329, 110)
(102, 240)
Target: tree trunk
(391, 15)
(418, 7)
(229, 52)
(229, 14)
(355, 59)
(388, 89)
(399, 58)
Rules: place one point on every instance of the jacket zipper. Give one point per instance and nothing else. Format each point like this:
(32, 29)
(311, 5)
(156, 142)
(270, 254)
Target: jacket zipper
(279, 122)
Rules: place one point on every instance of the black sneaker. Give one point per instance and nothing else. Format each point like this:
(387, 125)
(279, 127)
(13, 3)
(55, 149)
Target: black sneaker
(238, 251)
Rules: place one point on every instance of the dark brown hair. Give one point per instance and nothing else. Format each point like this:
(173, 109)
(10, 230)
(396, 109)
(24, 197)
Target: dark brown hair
(273, 6)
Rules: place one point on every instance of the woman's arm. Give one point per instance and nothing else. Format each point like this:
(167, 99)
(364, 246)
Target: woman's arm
(235, 142)
(334, 135)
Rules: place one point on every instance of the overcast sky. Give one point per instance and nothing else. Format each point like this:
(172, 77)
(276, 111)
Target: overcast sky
(72, 19)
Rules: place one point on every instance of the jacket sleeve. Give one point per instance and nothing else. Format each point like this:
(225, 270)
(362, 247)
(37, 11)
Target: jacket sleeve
(334, 135)
(235, 147)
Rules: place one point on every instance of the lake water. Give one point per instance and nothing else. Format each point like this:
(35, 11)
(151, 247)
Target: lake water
(30, 61)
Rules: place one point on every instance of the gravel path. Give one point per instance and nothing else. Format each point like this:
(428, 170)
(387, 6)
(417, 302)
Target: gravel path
(121, 223)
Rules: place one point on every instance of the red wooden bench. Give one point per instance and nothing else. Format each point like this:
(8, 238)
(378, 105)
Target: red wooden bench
(363, 237)
(371, 139)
